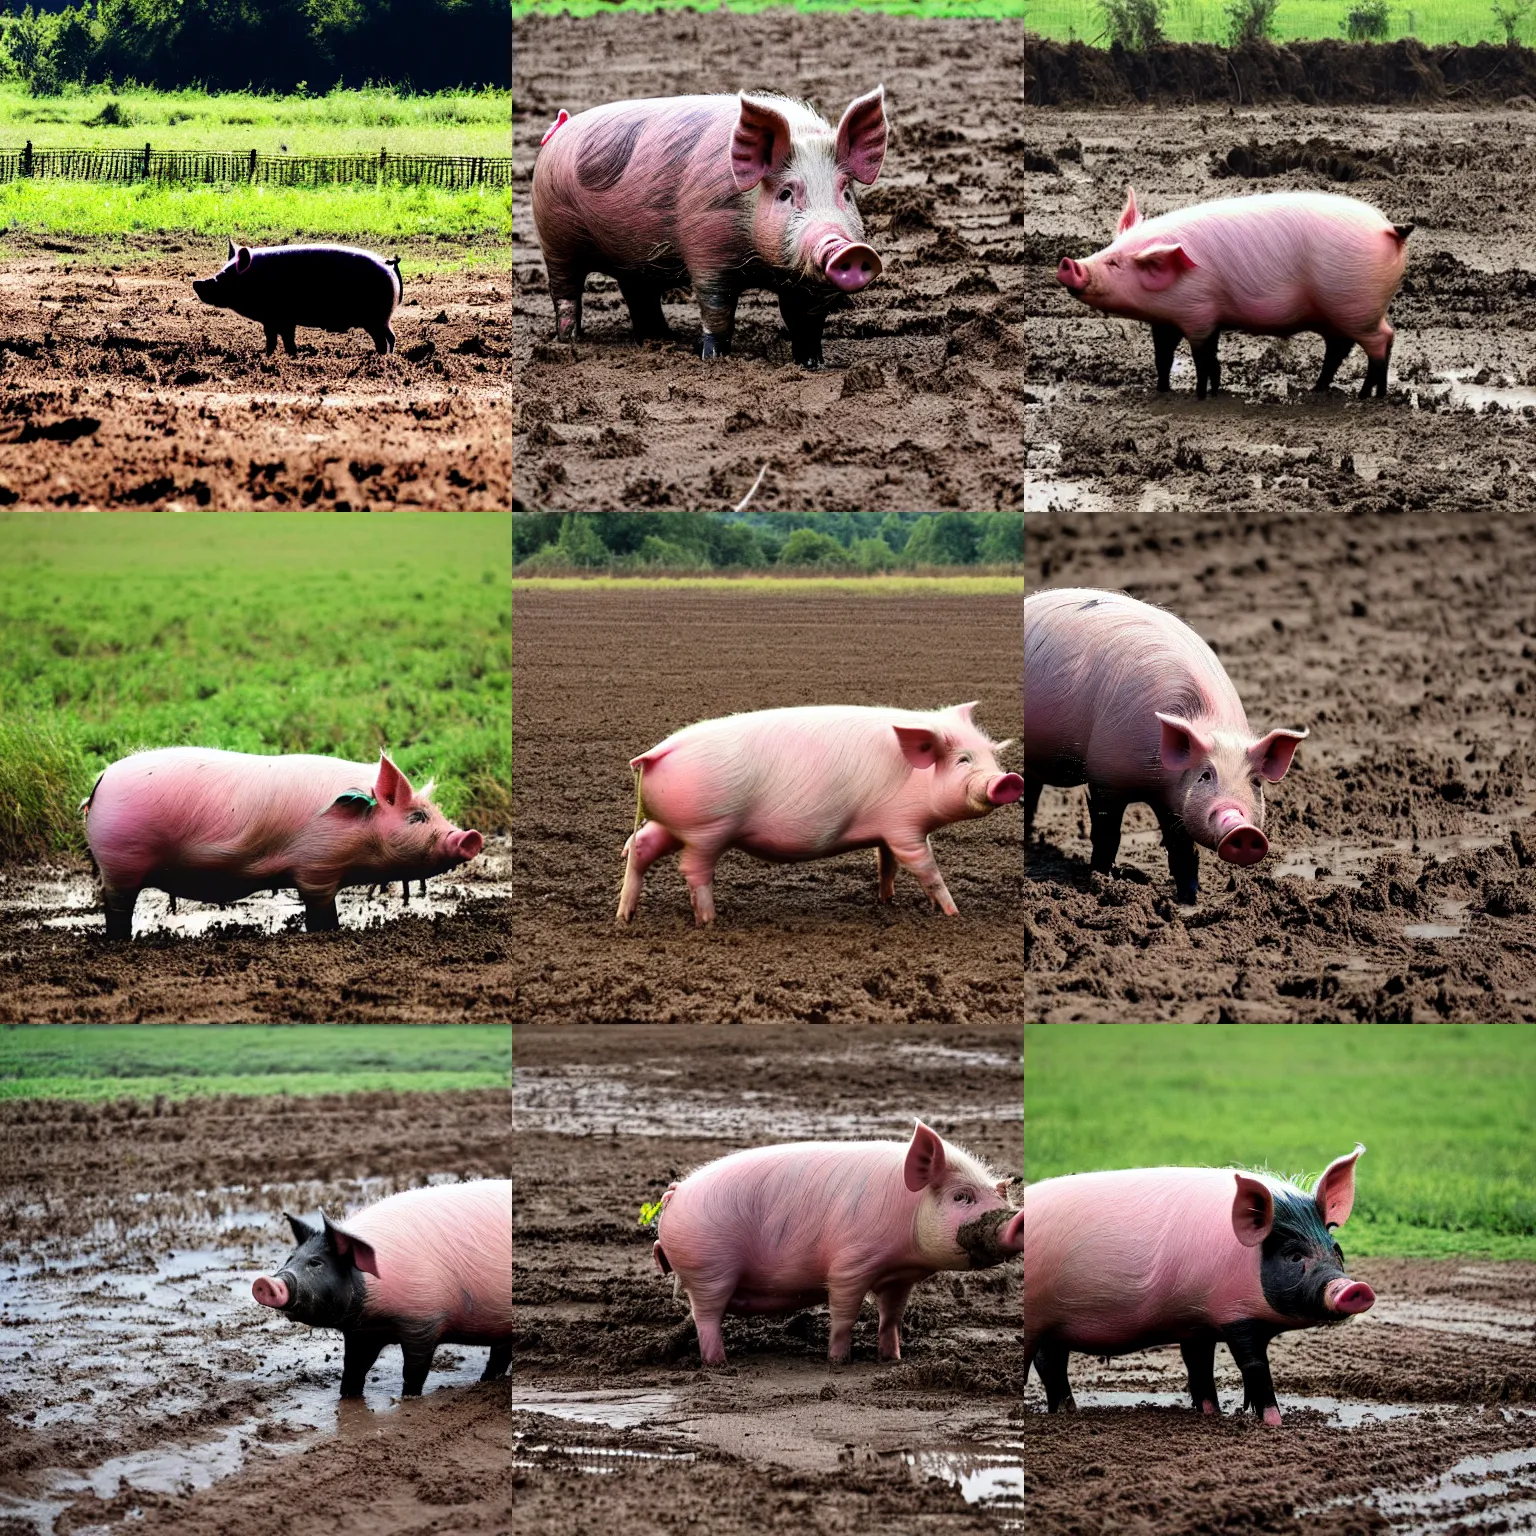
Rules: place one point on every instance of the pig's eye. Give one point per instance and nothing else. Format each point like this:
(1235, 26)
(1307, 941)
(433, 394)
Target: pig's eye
(1257, 782)
(964, 1197)
(787, 195)
(965, 757)
(1205, 778)
(416, 816)
(312, 1264)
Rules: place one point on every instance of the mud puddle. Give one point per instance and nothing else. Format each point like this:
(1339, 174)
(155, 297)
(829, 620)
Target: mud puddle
(1490, 1493)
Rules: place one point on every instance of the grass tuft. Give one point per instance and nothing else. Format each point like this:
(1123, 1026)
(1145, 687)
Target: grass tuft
(42, 770)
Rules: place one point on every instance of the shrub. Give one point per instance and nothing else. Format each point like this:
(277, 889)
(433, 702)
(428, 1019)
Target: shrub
(807, 547)
(1367, 22)
(872, 554)
(1511, 18)
(1250, 21)
(1133, 24)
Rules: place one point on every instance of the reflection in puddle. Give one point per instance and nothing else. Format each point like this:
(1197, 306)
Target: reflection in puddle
(617, 1410)
(1339, 1413)
(1480, 390)
(598, 1459)
(983, 1476)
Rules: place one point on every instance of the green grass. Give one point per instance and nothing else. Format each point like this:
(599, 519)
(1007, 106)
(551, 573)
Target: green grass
(340, 122)
(1205, 21)
(864, 586)
(299, 632)
(991, 9)
(141, 1061)
(1446, 1113)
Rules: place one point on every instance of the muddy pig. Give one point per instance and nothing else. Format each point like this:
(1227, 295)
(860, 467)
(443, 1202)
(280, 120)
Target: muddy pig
(427, 1267)
(724, 192)
(1129, 700)
(776, 1229)
(329, 287)
(797, 784)
(1128, 1260)
(218, 826)
(1273, 264)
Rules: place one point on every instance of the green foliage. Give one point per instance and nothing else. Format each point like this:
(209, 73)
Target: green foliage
(271, 633)
(141, 1062)
(1367, 21)
(1133, 24)
(1511, 18)
(1250, 21)
(805, 546)
(1432, 22)
(989, 8)
(872, 554)
(893, 531)
(579, 543)
(1444, 1111)
(649, 1212)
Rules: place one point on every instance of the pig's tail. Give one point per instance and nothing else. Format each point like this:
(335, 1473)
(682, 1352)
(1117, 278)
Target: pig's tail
(639, 811)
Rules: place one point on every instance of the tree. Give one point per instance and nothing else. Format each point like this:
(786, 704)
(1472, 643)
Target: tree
(872, 554)
(946, 539)
(894, 531)
(807, 547)
(1002, 539)
(580, 544)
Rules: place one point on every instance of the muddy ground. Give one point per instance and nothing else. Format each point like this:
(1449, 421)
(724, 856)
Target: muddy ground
(119, 388)
(141, 1388)
(435, 959)
(1365, 570)
(1418, 1416)
(603, 676)
(918, 406)
(606, 1374)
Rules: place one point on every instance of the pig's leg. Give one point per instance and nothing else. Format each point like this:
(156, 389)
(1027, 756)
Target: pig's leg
(119, 906)
(921, 862)
(641, 851)
(499, 1362)
(717, 311)
(698, 866)
(290, 341)
(1207, 365)
(1032, 788)
(1183, 857)
(1249, 1343)
(844, 1298)
(1335, 350)
(359, 1352)
(1051, 1362)
(1165, 342)
(805, 321)
(383, 341)
(271, 340)
(566, 280)
(1200, 1362)
(1378, 348)
(320, 910)
(644, 301)
(708, 1309)
(892, 1302)
(418, 1362)
(1105, 813)
(887, 862)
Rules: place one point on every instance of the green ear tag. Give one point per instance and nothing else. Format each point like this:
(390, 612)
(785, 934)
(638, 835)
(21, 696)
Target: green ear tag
(358, 798)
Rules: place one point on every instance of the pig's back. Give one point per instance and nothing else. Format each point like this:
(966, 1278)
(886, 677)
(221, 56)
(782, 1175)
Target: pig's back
(324, 285)
(1098, 668)
(444, 1252)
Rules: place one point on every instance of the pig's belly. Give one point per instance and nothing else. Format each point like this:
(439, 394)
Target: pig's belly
(213, 885)
(791, 848)
(1111, 1336)
(773, 1299)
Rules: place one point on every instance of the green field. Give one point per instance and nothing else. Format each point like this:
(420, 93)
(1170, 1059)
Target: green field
(1205, 21)
(141, 1061)
(991, 9)
(1447, 1114)
(298, 632)
(864, 586)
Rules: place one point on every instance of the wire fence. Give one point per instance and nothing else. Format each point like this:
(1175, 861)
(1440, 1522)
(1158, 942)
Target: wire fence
(223, 167)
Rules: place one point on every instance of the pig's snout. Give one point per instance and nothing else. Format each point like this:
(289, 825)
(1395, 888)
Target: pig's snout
(464, 845)
(852, 267)
(203, 288)
(270, 1293)
(1004, 789)
(1072, 275)
(1346, 1296)
(1238, 841)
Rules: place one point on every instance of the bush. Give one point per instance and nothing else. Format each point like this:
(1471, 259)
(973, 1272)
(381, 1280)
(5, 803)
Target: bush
(1002, 541)
(580, 544)
(946, 539)
(1250, 21)
(872, 554)
(1367, 22)
(807, 547)
(1133, 24)
(1511, 18)
(672, 556)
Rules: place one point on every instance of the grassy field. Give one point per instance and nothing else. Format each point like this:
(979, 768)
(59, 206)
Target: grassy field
(990, 583)
(988, 8)
(1205, 21)
(141, 1061)
(279, 632)
(1445, 1113)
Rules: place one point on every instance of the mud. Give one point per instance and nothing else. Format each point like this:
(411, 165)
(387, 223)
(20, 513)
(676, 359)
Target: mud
(606, 1374)
(1363, 570)
(917, 408)
(1416, 1416)
(602, 676)
(141, 1386)
(119, 388)
(442, 956)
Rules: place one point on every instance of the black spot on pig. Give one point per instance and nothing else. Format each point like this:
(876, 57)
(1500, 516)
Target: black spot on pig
(1299, 1260)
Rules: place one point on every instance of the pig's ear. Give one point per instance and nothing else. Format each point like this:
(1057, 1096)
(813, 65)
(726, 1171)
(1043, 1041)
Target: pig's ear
(861, 136)
(1011, 1238)
(1182, 743)
(392, 788)
(1335, 1192)
(242, 258)
(920, 746)
(1002, 1188)
(760, 146)
(925, 1159)
(353, 802)
(1253, 1211)
(231, 255)
(347, 1245)
(1271, 755)
(1160, 266)
(302, 1231)
(964, 711)
(1130, 215)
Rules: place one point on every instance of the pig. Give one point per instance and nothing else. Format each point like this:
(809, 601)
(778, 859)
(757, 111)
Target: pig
(426, 1267)
(775, 1229)
(329, 287)
(723, 192)
(218, 826)
(1129, 700)
(1272, 265)
(1127, 1260)
(804, 783)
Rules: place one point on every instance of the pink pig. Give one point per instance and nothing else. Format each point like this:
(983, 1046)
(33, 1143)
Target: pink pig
(426, 1267)
(1128, 1260)
(1274, 264)
(724, 192)
(1128, 699)
(775, 1229)
(804, 783)
(218, 826)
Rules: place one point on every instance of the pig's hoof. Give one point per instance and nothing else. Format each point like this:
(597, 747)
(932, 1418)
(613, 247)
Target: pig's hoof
(1210, 1409)
(1272, 1417)
(714, 346)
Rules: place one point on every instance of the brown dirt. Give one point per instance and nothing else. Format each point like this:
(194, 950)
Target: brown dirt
(781, 1440)
(918, 406)
(112, 1191)
(1170, 1471)
(120, 389)
(1364, 570)
(601, 676)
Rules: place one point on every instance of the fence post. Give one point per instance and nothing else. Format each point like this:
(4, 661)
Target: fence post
(253, 165)
(383, 156)
(27, 159)
(146, 162)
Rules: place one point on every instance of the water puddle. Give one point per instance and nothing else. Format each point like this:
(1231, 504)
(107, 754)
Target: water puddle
(1432, 931)
(1475, 1318)
(1340, 1413)
(1337, 862)
(615, 1410)
(1480, 390)
(1490, 1493)
(595, 1459)
(990, 1477)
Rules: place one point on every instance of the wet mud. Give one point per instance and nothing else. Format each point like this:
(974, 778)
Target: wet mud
(141, 1386)
(917, 408)
(603, 676)
(119, 388)
(1363, 570)
(606, 1373)
(438, 957)
(1418, 1416)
